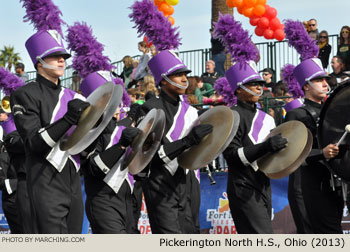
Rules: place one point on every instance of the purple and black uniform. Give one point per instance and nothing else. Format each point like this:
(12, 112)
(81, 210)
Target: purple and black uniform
(248, 188)
(53, 178)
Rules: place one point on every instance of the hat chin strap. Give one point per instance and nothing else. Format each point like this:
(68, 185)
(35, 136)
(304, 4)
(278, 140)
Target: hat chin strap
(174, 83)
(318, 89)
(252, 92)
(48, 66)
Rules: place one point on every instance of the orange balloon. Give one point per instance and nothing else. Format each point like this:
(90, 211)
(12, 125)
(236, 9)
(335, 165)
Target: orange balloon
(240, 10)
(230, 3)
(166, 9)
(261, 2)
(259, 10)
(248, 12)
(171, 20)
(158, 2)
(250, 3)
(238, 3)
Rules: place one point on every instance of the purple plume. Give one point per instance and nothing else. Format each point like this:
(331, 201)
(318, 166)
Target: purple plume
(125, 98)
(152, 23)
(9, 82)
(299, 39)
(43, 14)
(235, 39)
(223, 88)
(88, 57)
(292, 84)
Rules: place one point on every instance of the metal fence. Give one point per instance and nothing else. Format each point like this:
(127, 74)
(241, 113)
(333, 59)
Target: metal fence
(272, 55)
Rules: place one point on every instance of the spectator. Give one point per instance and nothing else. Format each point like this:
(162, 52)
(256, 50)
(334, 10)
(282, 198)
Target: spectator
(127, 70)
(203, 89)
(153, 50)
(149, 85)
(325, 48)
(338, 67)
(191, 91)
(19, 68)
(313, 35)
(135, 64)
(313, 27)
(210, 76)
(267, 75)
(135, 96)
(75, 86)
(344, 46)
(218, 54)
(142, 70)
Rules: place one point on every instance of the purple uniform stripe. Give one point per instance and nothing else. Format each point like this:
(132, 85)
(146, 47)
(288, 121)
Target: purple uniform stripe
(258, 124)
(67, 96)
(118, 135)
(131, 179)
(180, 122)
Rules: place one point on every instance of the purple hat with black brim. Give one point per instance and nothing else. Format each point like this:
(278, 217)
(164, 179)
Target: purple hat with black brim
(166, 63)
(308, 70)
(45, 43)
(9, 125)
(239, 74)
(296, 103)
(94, 80)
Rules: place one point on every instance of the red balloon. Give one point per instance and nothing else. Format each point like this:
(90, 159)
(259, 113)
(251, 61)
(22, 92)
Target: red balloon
(254, 20)
(275, 24)
(259, 32)
(279, 35)
(270, 12)
(263, 23)
(268, 34)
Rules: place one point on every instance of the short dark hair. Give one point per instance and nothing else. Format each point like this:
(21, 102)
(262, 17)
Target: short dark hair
(269, 70)
(20, 65)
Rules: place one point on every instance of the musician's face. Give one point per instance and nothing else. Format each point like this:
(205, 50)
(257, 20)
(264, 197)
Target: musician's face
(178, 78)
(57, 61)
(247, 97)
(319, 84)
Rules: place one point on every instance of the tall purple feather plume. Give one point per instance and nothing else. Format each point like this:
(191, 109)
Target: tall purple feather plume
(88, 57)
(9, 82)
(293, 86)
(126, 98)
(299, 39)
(235, 39)
(152, 23)
(223, 88)
(43, 14)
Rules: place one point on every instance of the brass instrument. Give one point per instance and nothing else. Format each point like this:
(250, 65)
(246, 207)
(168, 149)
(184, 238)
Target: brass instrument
(5, 104)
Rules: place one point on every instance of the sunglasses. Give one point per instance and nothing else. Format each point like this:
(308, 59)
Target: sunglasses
(265, 74)
(345, 32)
(323, 36)
(312, 25)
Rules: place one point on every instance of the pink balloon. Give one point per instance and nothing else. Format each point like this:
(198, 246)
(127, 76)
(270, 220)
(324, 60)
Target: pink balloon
(263, 23)
(254, 20)
(270, 13)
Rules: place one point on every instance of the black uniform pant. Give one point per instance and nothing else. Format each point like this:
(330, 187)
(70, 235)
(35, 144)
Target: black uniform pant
(167, 202)
(297, 205)
(250, 208)
(193, 197)
(11, 212)
(137, 205)
(111, 213)
(23, 205)
(56, 199)
(323, 205)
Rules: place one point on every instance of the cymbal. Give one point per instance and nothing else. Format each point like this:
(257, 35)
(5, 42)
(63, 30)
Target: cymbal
(284, 162)
(103, 102)
(146, 144)
(225, 123)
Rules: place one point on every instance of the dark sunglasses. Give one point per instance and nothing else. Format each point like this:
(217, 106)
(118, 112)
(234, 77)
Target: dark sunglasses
(323, 36)
(345, 32)
(312, 25)
(266, 74)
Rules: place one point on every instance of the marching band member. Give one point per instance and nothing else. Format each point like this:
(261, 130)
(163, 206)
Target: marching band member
(169, 208)
(43, 112)
(248, 188)
(109, 203)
